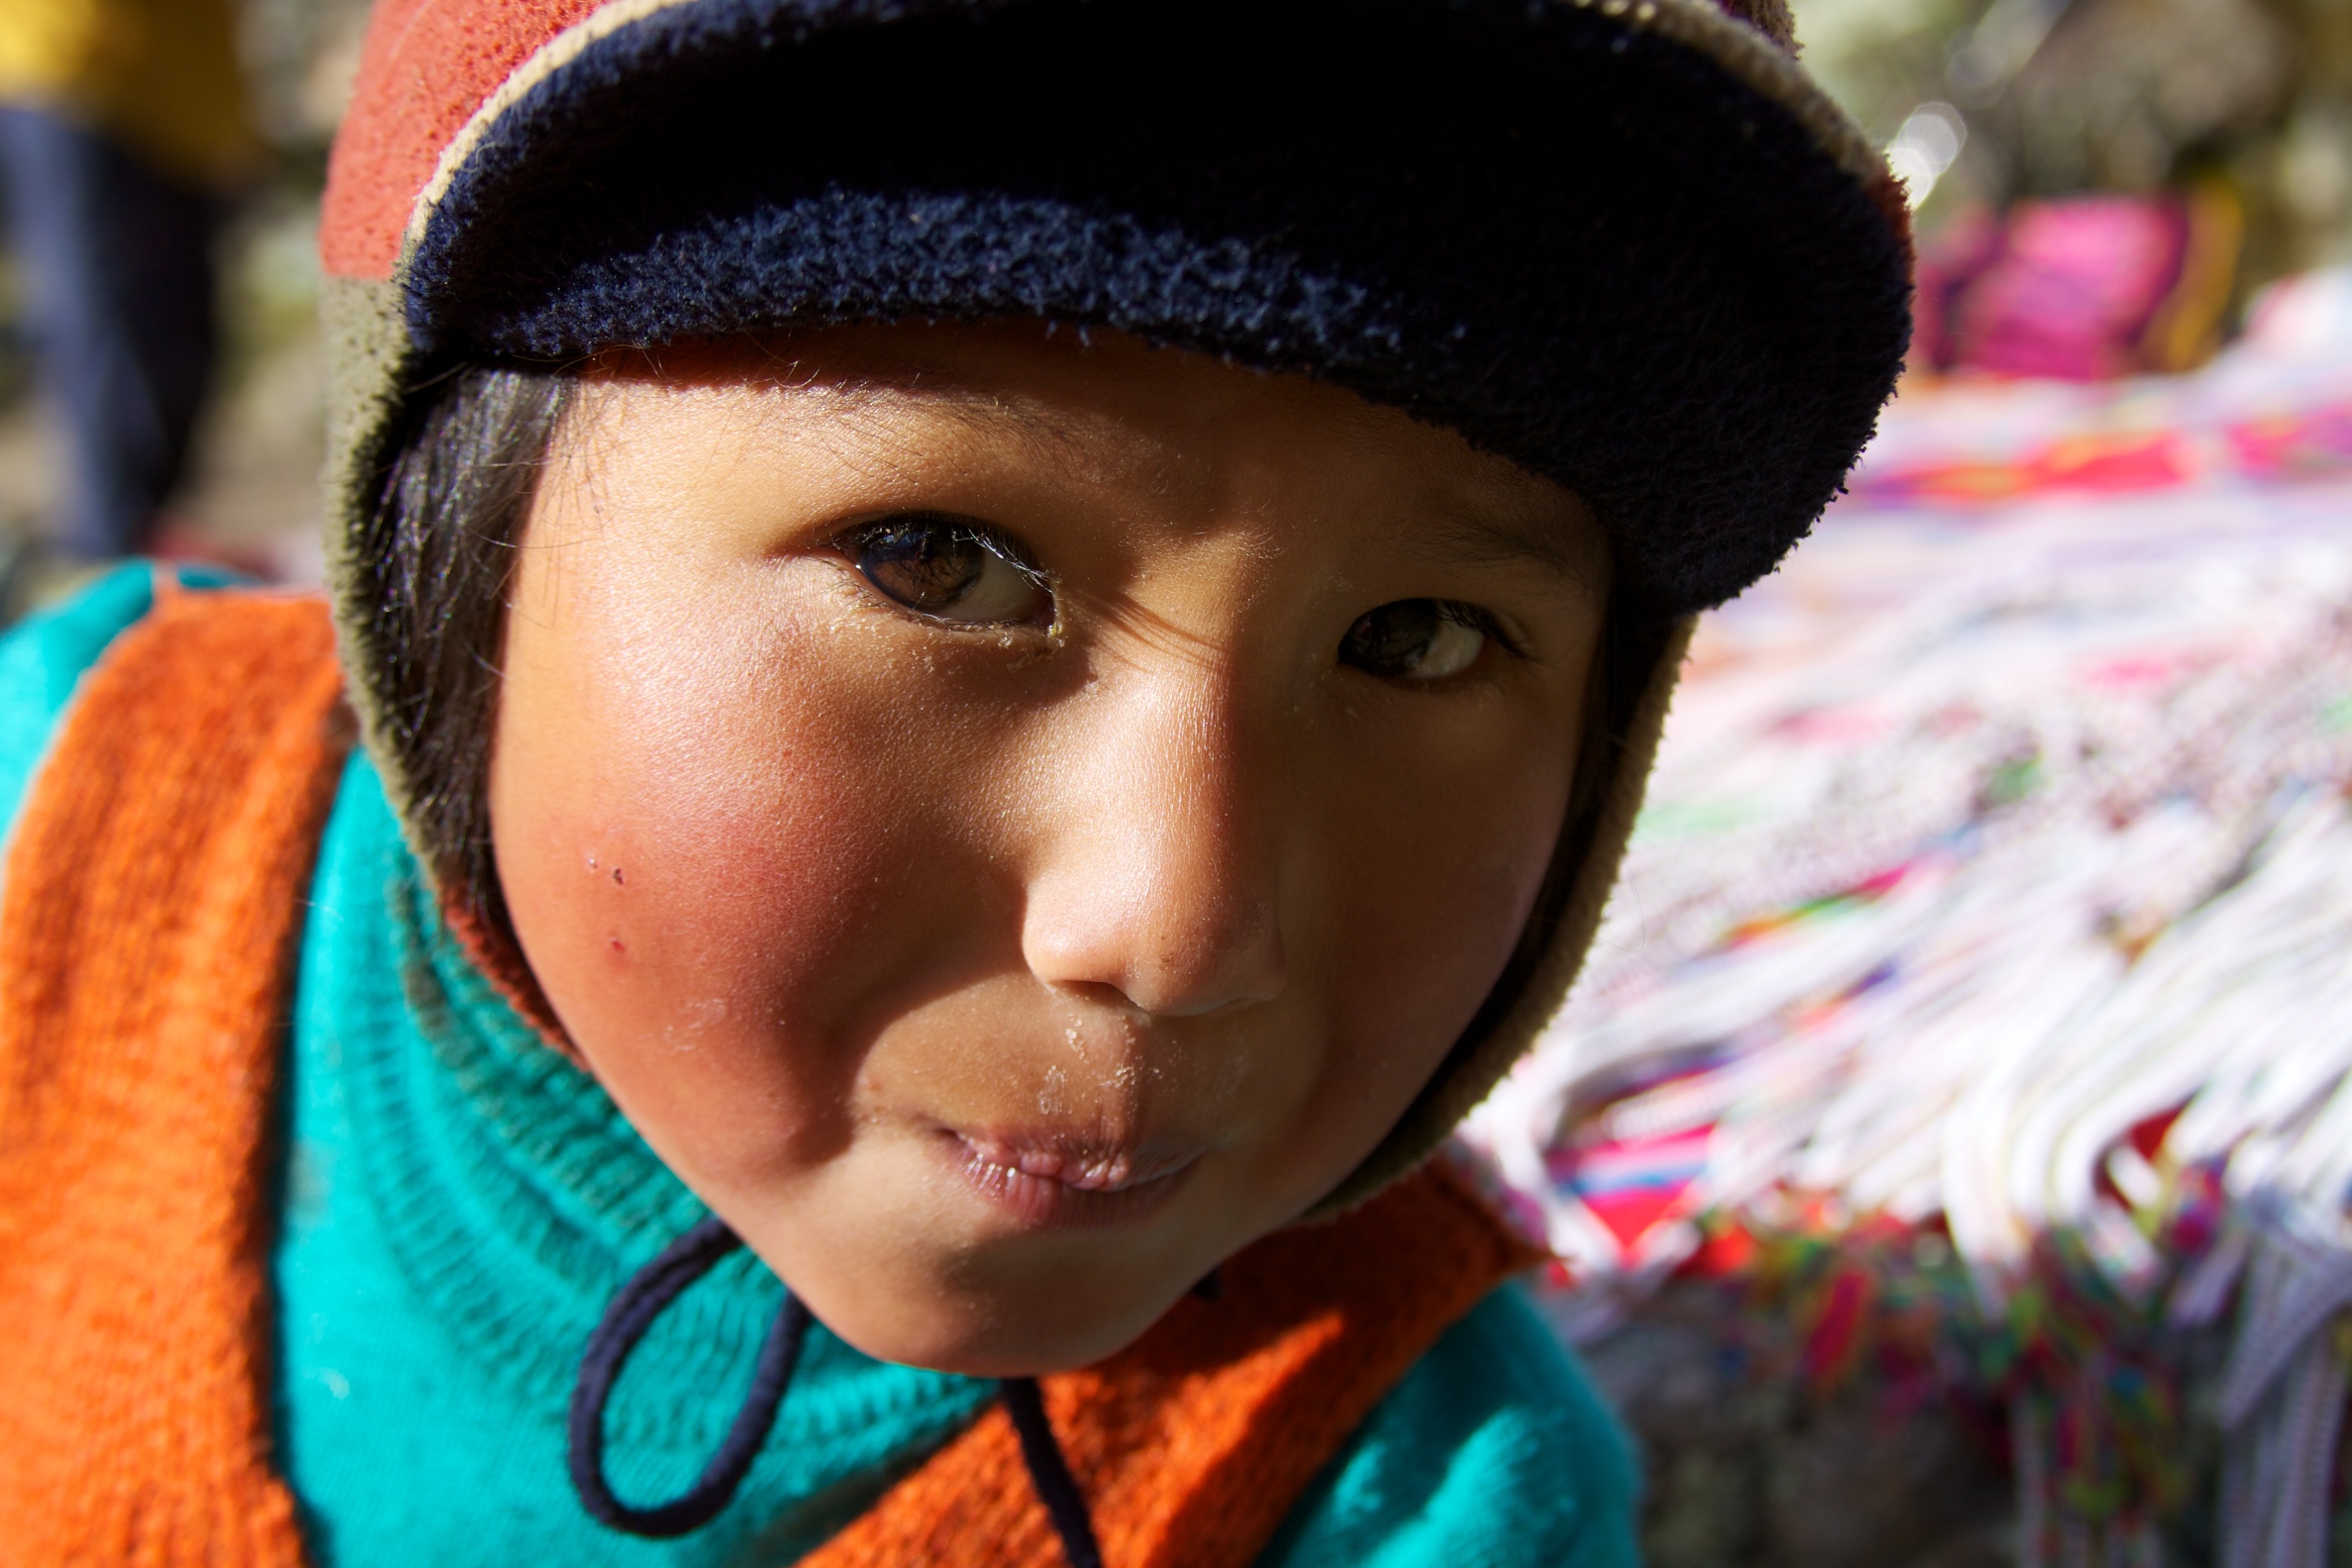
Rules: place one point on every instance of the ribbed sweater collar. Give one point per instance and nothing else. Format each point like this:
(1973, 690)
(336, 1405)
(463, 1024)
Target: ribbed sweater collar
(518, 1200)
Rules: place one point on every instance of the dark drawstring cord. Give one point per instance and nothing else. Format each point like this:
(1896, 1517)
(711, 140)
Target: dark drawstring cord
(1051, 1474)
(646, 1297)
(648, 1294)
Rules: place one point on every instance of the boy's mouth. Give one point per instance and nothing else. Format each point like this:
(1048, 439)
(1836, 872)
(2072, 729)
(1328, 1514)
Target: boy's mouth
(1054, 1180)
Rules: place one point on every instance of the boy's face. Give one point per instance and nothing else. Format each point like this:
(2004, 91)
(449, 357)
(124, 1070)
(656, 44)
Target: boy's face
(1014, 823)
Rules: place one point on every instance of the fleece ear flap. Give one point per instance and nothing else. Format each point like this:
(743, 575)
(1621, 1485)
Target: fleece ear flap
(1478, 1062)
(371, 363)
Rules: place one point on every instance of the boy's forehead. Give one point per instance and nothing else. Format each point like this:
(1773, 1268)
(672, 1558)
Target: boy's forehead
(1102, 406)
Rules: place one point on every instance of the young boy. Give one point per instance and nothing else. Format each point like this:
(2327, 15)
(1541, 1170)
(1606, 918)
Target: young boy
(1001, 648)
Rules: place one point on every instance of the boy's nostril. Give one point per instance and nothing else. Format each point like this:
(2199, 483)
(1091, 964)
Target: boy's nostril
(1101, 993)
(1147, 960)
(1239, 974)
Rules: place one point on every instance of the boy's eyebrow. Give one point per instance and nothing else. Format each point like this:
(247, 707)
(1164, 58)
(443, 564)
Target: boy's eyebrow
(1019, 417)
(1516, 536)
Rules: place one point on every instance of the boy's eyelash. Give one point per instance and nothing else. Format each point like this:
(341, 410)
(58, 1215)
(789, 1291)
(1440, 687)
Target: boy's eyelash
(987, 536)
(1004, 546)
(1479, 619)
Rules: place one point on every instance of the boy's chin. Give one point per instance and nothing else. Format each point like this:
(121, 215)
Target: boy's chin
(992, 1307)
(1017, 1329)
(1012, 1349)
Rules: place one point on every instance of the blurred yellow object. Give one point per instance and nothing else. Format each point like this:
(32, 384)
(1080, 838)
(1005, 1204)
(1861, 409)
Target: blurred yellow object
(159, 75)
(2186, 328)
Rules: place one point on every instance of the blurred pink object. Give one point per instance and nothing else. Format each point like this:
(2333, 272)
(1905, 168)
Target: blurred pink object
(2074, 289)
(2085, 289)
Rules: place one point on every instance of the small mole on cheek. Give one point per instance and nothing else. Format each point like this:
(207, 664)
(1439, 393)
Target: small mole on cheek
(615, 873)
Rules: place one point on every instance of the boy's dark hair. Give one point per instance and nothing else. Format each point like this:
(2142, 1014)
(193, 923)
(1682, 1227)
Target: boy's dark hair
(435, 555)
(437, 548)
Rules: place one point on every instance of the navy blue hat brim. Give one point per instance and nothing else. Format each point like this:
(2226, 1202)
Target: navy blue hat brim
(1583, 244)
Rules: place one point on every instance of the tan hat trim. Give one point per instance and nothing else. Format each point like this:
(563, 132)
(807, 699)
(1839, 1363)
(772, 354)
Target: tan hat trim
(544, 62)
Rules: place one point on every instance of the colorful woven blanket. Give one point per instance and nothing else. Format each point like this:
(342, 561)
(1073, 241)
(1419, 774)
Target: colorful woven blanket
(1976, 1010)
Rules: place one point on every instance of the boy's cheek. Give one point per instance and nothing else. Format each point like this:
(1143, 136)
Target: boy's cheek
(676, 913)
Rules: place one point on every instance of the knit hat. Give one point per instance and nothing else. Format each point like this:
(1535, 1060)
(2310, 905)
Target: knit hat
(1626, 243)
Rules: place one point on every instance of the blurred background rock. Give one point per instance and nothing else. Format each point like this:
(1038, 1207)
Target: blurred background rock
(2063, 97)
(251, 493)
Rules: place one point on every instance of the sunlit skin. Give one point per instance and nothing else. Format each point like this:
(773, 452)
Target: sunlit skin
(997, 963)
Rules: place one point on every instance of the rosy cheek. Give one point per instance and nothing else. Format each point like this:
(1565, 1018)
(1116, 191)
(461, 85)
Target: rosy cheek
(702, 899)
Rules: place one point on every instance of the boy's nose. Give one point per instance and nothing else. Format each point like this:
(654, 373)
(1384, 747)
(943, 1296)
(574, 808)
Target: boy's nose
(1157, 870)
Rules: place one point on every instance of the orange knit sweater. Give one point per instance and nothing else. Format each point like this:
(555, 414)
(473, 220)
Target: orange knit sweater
(152, 904)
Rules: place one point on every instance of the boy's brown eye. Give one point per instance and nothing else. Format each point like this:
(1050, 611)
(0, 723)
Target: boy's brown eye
(1416, 639)
(951, 570)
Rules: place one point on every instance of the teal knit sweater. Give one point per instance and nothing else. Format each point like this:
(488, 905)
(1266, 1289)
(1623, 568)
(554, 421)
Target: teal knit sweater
(459, 1204)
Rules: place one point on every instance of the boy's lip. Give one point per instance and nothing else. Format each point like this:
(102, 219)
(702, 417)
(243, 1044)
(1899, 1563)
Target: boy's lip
(1052, 1180)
